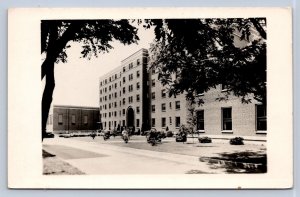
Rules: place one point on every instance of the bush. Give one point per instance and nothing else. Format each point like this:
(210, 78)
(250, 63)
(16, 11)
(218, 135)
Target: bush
(204, 139)
(169, 134)
(237, 141)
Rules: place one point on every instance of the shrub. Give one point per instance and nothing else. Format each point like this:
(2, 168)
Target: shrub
(169, 134)
(204, 139)
(237, 141)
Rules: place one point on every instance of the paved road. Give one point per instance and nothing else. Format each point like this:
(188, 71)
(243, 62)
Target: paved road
(104, 158)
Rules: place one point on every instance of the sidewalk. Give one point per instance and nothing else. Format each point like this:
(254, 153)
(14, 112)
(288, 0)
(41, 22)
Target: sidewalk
(125, 160)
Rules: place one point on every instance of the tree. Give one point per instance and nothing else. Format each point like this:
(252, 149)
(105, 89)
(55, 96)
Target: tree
(204, 53)
(95, 37)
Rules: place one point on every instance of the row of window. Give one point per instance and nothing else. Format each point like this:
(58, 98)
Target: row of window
(114, 113)
(73, 119)
(163, 106)
(164, 121)
(163, 94)
(113, 124)
(114, 77)
(112, 95)
(110, 105)
(261, 118)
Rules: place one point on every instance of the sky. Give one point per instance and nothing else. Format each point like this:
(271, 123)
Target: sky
(77, 81)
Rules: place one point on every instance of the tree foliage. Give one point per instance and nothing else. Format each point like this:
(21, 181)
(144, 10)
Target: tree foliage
(203, 53)
(95, 37)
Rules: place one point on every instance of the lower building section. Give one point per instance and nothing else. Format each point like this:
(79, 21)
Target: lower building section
(64, 119)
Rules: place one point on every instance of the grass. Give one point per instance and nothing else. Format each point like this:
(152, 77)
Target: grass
(54, 166)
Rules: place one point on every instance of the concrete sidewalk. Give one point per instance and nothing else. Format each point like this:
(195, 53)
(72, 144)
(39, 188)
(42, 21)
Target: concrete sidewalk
(125, 160)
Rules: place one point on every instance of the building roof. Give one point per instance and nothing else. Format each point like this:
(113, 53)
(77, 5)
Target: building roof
(75, 107)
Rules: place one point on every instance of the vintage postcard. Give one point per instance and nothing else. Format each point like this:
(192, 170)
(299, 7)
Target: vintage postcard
(171, 98)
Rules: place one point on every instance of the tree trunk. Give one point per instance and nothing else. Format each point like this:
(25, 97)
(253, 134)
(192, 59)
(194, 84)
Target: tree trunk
(48, 92)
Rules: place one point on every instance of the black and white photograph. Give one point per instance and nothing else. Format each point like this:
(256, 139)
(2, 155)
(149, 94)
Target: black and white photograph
(167, 95)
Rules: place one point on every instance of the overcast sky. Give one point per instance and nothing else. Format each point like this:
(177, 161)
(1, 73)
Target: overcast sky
(76, 82)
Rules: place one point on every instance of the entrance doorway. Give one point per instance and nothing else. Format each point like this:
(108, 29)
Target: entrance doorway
(130, 118)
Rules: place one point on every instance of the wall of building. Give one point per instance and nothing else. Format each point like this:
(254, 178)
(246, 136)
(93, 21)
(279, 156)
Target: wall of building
(127, 82)
(243, 115)
(67, 123)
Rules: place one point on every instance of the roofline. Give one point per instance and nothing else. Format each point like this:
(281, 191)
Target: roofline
(75, 106)
(142, 49)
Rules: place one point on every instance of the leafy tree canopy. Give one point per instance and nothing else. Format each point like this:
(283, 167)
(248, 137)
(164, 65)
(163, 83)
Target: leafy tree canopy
(203, 53)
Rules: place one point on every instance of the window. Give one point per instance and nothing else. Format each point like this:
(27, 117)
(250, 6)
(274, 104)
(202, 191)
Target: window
(138, 62)
(124, 90)
(177, 105)
(115, 94)
(115, 104)
(73, 119)
(153, 71)
(153, 82)
(130, 99)
(124, 69)
(153, 95)
(123, 112)
(138, 74)
(153, 108)
(100, 91)
(124, 80)
(163, 93)
(138, 85)
(123, 101)
(163, 122)
(226, 119)
(137, 122)
(109, 88)
(138, 98)
(200, 120)
(261, 118)
(170, 120)
(130, 65)
(177, 121)
(123, 122)
(153, 122)
(137, 110)
(115, 85)
(115, 113)
(163, 107)
(100, 100)
(85, 119)
(170, 104)
(109, 114)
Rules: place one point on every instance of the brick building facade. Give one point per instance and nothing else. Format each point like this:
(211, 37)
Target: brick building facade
(132, 96)
(64, 119)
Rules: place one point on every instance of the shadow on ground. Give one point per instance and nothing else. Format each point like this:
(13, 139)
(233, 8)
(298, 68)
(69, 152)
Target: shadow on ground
(239, 162)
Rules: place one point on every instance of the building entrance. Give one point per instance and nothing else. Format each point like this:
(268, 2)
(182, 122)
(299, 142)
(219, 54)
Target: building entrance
(130, 118)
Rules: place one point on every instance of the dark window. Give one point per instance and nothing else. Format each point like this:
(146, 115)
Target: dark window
(137, 122)
(200, 120)
(123, 101)
(170, 120)
(153, 95)
(138, 98)
(177, 105)
(124, 80)
(138, 62)
(163, 107)
(123, 112)
(153, 108)
(138, 85)
(226, 119)
(153, 83)
(137, 110)
(60, 119)
(177, 121)
(138, 74)
(163, 93)
(124, 69)
(163, 122)
(153, 122)
(261, 118)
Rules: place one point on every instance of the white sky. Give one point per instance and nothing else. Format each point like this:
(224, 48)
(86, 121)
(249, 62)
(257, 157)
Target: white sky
(77, 81)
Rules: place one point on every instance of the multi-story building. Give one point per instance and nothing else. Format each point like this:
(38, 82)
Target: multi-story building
(64, 118)
(123, 92)
(131, 95)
